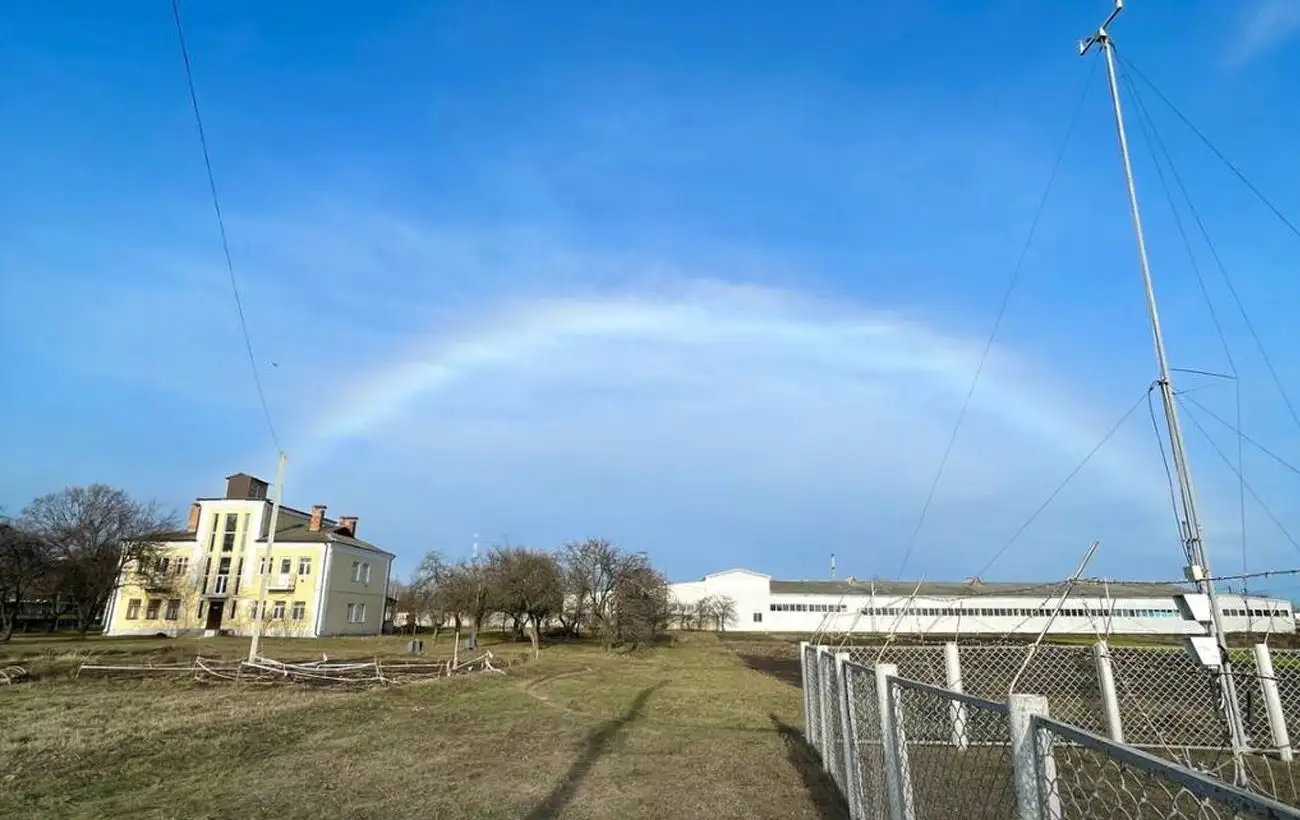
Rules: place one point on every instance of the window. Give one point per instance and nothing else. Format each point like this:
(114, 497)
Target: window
(133, 609)
(151, 612)
(212, 531)
(164, 564)
(286, 566)
(182, 565)
(299, 610)
(232, 608)
(356, 613)
(352, 611)
(228, 537)
(758, 617)
(356, 571)
(261, 566)
(243, 538)
(239, 573)
(173, 609)
(361, 613)
(277, 611)
(304, 566)
(252, 610)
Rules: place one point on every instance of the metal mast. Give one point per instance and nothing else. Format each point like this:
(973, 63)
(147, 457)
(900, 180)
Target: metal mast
(1198, 561)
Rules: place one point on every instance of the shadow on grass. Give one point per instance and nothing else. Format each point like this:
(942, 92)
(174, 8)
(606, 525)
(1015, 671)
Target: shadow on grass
(805, 760)
(785, 670)
(594, 747)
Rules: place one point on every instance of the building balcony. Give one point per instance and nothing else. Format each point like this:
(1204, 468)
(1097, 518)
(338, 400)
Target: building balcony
(281, 583)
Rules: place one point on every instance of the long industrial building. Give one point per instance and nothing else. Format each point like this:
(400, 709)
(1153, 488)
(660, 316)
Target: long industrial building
(974, 607)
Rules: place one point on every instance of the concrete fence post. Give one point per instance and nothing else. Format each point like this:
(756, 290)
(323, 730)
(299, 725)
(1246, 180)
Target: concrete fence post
(803, 685)
(847, 754)
(956, 709)
(1035, 767)
(1273, 702)
(826, 669)
(857, 796)
(894, 745)
(1106, 683)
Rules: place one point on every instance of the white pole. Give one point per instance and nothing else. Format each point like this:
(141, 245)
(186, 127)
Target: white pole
(1197, 556)
(803, 684)
(1272, 702)
(850, 764)
(260, 612)
(894, 746)
(956, 709)
(1106, 682)
(1035, 769)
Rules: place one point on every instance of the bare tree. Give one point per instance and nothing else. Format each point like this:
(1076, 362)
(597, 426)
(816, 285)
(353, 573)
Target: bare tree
(594, 567)
(96, 534)
(24, 564)
(421, 599)
(724, 611)
(528, 586)
(642, 603)
(465, 593)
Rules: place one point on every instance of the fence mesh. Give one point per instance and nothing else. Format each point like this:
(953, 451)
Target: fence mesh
(867, 751)
(1092, 777)
(954, 754)
(1067, 675)
(832, 721)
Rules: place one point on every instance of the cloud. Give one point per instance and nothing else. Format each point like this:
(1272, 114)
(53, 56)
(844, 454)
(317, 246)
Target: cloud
(1263, 26)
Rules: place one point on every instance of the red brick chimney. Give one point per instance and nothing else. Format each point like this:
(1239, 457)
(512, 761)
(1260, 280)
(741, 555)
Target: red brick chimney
(349, 523)
(193, 524)
(317, 516)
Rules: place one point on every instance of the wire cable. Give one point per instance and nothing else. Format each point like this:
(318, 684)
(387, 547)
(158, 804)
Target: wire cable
(1219, 451)
(1060, 487)
(1164, 460)
(1288, 465)
(1214, 254)
(1156, 144)
(221, 224)
(1016, 271)
(1210, 145)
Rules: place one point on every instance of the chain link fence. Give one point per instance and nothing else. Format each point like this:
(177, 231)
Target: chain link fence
(1081, 774)
(953, 756)
(944, 746)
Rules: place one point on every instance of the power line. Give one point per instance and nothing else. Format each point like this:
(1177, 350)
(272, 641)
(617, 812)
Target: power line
(221, 224)
(1219, 451)
(1052, 497)
(997, 321)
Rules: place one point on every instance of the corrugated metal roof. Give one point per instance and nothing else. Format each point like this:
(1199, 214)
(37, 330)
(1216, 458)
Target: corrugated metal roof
(967, 589)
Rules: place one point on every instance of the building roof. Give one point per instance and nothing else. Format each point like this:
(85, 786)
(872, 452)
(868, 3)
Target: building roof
(976, 588)
(292, 527)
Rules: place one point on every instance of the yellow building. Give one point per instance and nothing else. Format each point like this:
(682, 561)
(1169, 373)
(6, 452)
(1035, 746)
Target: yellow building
(323, 580)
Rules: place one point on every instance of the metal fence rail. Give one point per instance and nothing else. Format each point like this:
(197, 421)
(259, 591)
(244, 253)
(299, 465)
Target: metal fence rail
(954, 753)
(904, 749)
(1090, 776)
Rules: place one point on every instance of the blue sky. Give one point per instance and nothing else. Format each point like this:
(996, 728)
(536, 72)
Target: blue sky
(710, 281)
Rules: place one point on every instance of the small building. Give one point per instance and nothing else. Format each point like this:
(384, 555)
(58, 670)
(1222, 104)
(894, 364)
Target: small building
(207, 579)
(974, 607)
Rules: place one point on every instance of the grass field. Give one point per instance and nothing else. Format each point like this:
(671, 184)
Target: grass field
(693, 730)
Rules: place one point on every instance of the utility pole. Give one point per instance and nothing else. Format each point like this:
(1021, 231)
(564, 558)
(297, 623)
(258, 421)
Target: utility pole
(1198, 562)
(260, 612)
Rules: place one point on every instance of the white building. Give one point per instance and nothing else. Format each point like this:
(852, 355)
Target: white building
(207, 579)
(976, 607)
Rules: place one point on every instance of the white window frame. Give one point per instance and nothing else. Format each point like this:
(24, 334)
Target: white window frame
(304, 565)
(299, 611)
(277, 611)
(352, 608)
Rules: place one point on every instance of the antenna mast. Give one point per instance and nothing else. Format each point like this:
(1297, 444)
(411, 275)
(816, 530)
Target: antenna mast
(1198, 562)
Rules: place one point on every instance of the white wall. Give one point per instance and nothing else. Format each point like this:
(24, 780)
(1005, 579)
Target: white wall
(984, 614)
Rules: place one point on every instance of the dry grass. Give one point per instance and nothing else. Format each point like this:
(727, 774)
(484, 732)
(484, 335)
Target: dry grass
(682, 731)
(53, 656)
